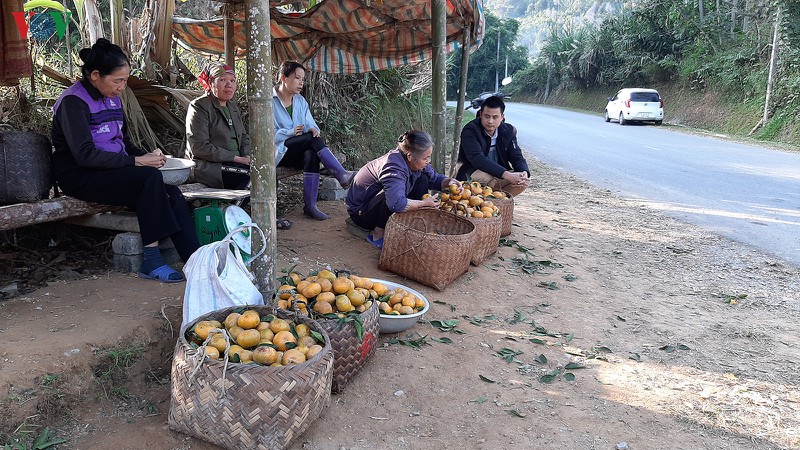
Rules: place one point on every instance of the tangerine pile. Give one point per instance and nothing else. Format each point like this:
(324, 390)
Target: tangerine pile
(267, 341)
(399, 302)
(326, 293)
(474, 200)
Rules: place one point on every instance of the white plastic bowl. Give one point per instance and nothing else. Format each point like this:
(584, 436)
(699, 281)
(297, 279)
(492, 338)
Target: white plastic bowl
(396, 324)
(176, 170)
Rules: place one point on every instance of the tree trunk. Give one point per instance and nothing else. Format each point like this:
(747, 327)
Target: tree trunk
(230, 45)
(263, 195)
(439, 85)
(93, 21)
(162, 33)
(117, 31)
(773, 59)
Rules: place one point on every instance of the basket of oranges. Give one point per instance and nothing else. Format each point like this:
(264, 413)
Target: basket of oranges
(345, 307)
(250, 378)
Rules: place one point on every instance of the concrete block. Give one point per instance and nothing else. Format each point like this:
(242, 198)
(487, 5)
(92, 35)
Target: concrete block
(128, 252)
(355, 230)
(330, 189)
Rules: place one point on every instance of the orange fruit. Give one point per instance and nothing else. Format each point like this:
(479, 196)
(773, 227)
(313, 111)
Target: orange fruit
(293, 356)
(265, 355)
(419, 303)
(266, 334)
(475, 200)
(278, 325)
(356, 298)
(282, 338)
(326, 297)
(326, 274)
(302, 285)
(343, 303)
(235, 331)
(313, 351)
(325, 284)
(454, 189)
(262, 326)
(306, 341)
(408, 300)
(218, 342)
(296, 277)
(249, 338)
(234, 350)
(380, 289)
(231, 320)
(203, 328)
(477, 215)
(285, 291)
(212, 352)
(302, 330)
(406, 310)
(311, 290)
(249, 319)
(323, 308)
(342, 285)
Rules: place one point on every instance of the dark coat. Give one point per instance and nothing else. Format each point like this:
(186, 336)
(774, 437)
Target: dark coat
(208, 136)
(474, 150)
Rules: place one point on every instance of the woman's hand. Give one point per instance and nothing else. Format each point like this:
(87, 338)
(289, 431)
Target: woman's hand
(315, 132)
(298, 130)
(151, 160)
(242, 159)
(452, 182)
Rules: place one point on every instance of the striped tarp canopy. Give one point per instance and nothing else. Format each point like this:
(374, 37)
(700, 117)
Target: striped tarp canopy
(344, 36)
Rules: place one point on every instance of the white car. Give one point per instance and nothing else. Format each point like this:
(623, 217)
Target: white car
(635, 105)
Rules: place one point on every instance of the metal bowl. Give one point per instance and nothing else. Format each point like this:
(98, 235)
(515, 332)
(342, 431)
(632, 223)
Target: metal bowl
(396, 324)
(176, 170)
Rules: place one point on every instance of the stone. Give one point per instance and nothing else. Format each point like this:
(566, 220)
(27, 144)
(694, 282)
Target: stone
(331, 190)
(128, 252)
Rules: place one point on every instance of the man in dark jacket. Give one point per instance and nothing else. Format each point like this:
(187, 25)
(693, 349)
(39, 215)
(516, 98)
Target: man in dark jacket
(489, 153)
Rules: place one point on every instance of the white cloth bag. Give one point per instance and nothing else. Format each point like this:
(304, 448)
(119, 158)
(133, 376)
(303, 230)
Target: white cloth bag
(217, 277)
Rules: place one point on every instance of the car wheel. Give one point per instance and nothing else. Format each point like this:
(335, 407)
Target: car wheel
(606, 118)
(659, 122)
(622, 120)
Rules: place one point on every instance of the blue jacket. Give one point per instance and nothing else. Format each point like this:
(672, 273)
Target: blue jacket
(284, 123)
(389, 173)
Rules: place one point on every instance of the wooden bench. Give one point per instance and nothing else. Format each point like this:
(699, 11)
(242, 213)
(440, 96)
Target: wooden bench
(63, 208)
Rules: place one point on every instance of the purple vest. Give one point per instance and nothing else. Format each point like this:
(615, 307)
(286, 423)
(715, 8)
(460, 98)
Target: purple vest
(105, 118)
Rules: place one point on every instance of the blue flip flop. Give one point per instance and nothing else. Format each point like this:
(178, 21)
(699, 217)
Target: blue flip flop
(376, 242)
(165, 274)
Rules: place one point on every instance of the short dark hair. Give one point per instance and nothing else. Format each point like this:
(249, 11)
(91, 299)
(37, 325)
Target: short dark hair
(414, 142)
(493, 102)
(287, 68)
(104, 57)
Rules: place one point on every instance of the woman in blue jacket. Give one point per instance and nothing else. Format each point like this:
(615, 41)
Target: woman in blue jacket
(298, 142)
(395, 182)
(95, 160)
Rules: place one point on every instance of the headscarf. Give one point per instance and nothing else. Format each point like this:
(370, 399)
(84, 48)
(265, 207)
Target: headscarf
(212, 71)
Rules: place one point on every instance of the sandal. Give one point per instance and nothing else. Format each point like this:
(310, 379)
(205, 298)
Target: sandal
(376, 242)
(283, 224)
(165, 274)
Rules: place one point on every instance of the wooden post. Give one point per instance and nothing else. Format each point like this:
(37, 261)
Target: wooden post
(462, 91)
(117, 31)
(162, 44)
(263, 195)
(439, 85)
(230, 40)
(773, 59)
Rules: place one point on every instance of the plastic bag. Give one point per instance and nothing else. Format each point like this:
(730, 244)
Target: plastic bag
(217, 277)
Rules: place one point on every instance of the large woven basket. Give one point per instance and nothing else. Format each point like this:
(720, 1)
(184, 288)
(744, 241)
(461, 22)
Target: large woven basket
(244, 406)
(24, 167)
(487, 237)
(349, 352)
(430, 246)
(506, 207)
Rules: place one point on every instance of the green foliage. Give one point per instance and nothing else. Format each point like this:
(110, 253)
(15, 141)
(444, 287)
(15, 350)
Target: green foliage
(485, 68)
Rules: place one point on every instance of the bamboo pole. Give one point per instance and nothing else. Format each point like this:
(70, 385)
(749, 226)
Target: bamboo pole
(162, 48)
(439, 85)
(230, 42)
(462, 91)
(263, 192)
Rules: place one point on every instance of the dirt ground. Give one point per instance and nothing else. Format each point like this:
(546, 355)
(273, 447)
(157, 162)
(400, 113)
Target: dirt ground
(641, 330)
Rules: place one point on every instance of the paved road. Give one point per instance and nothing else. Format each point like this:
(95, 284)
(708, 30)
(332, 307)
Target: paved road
(748, 193)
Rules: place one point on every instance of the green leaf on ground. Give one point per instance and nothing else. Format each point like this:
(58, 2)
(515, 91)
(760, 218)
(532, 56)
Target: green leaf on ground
(552, 285)
(515, 413)
(569, 376)
(570, 277)
(479, 400)
(446, 325)
(443, 340)
(541, 359)
(574, 365)
(538, 341)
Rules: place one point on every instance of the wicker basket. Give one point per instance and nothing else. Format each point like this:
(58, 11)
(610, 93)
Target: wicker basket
(349, 352)
(24, 167)
(487, 237)
(430, 246)
(248, 406)
(506, 207)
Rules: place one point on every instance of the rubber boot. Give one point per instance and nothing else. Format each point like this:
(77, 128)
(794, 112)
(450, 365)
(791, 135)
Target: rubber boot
(345, 177)
(310, 190)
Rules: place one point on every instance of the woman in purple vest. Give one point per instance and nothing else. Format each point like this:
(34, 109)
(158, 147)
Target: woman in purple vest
(95, 160)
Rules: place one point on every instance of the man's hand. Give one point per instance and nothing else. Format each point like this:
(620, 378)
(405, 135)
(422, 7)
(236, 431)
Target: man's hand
(242, 159)
(517, 178)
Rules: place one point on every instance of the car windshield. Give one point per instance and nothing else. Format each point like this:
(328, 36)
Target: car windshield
(644, 97)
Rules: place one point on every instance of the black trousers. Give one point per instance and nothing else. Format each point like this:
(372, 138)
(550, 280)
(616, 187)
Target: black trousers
(161, 209)
(301, 152)
(235, 175)
(377, 212)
